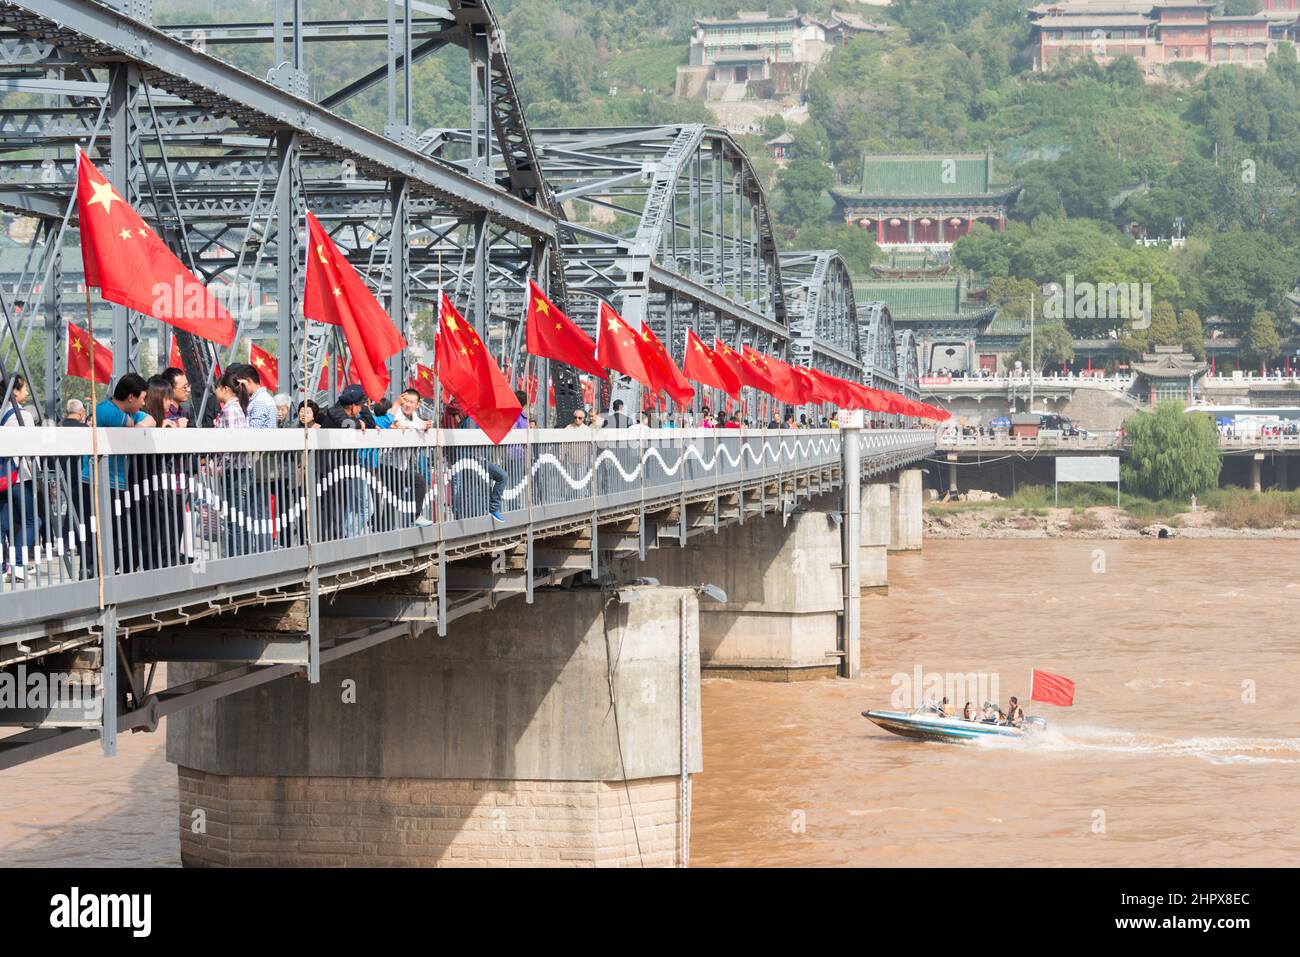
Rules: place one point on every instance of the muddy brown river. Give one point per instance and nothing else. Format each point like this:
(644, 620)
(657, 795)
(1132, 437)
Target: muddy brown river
(1182, 747)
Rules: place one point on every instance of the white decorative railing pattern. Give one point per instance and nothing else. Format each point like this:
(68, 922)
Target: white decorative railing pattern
(178, 504)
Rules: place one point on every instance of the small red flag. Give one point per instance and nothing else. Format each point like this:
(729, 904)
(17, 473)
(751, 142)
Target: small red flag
(1051, 689)
(553, 335)
(619, 347)
(268, 369)
(470, 375)
(336, 293)
(79, 356)
(174, 355)
(422, 382)
(705, 368)
(131, 266)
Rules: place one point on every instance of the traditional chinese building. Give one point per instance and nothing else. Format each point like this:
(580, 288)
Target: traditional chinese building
(753, 52)
(925, 200)
(1157, 34)
(1168, 372)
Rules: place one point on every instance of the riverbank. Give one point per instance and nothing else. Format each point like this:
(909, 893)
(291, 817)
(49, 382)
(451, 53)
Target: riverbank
(1088, 511)
(961, 521)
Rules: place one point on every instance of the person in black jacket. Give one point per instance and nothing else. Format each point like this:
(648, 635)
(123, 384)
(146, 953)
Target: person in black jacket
(347, 499)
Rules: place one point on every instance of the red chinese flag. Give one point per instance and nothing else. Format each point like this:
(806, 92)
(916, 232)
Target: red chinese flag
(553, 335)
(266, 367)
(666, 374)
(618, 347)
(791, 387)
(1051, 689)
(336, 293)
(470, 375)
(131, 266)
(79, 356)
(422, 382)
(731, 360)
(757, 369)
(174, 355)
(705, 368)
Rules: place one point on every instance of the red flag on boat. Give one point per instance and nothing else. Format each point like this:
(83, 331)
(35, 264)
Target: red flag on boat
(1051, 689)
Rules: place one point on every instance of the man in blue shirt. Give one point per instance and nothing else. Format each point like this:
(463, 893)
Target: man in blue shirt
(261, 404)
(123, 409)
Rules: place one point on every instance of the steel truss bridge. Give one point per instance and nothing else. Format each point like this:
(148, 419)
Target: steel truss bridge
(670, 223)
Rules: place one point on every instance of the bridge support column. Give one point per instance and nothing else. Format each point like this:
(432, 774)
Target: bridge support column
(906, 504)
(498, 745)
(877, 527)
(1256, 462)
(782, 578)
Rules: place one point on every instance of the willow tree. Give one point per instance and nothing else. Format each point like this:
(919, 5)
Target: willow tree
(1171, 453)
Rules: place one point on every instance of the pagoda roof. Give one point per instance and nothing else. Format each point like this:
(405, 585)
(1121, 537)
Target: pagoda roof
(1169, 362)
(926, 175)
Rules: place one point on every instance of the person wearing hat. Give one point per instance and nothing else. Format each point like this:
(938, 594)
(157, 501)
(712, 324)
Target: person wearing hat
(346, 413)
(350, 505)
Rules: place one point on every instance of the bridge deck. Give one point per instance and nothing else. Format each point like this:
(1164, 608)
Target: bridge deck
(203, 522)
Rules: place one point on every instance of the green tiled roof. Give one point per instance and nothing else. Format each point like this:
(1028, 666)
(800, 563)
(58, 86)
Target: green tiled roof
(918, 299)
(1006, 325)
(924, 175)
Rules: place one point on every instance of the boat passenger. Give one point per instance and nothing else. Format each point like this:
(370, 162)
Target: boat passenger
(968, 712)
(947, 708)
(991, 713)
(1015, 713)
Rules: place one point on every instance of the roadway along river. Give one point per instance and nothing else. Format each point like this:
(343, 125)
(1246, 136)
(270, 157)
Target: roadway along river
(1159, 762)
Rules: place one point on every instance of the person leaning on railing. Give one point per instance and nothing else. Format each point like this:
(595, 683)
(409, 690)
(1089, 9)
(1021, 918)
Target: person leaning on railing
(19, 525)
(123, 409)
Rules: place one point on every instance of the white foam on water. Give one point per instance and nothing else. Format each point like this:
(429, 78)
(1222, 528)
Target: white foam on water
(1214, 749)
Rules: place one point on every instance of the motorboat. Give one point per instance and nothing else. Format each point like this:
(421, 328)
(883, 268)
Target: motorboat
(931, 724)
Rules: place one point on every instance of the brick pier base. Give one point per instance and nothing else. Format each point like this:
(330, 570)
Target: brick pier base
(414, 822)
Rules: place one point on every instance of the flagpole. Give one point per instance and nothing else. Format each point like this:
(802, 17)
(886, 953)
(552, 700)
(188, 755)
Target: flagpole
(94, 450)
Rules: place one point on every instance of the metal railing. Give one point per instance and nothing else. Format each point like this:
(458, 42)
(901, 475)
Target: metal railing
(998, 440)
(170, 511)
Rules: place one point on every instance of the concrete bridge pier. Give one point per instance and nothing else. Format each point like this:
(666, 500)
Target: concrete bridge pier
(546, 734)
(877, 533)
(906, 503)
(782, 574)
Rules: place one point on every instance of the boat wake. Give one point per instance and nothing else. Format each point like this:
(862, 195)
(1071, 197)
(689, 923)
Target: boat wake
(1215, 750)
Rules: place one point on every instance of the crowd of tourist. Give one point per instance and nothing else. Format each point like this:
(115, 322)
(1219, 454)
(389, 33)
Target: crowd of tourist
(163, 506)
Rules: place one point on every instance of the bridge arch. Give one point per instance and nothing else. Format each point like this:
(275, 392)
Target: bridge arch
(823, 312)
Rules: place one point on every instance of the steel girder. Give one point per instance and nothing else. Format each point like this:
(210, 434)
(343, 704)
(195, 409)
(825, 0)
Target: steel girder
(823, 313)
(879, 349)
(256, 155)
(909, 373)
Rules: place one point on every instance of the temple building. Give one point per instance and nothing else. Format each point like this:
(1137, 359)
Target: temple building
(925, 201)
(1167, 372)
(1158, 34)
(765, 56)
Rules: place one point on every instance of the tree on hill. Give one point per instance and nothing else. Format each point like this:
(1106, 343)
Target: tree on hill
(1261, 342)
(1052, 346)
(802, 186)
(1246, 272)
(1191, 334)
(1172, 454)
